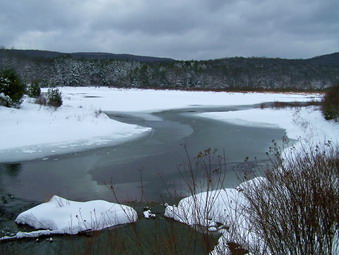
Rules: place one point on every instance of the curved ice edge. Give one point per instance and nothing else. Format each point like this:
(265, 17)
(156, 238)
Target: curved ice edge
(44, 151)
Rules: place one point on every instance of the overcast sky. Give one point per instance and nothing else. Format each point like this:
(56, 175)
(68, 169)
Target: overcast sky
(180, 29)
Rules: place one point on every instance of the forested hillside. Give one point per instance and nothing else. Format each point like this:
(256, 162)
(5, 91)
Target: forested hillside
(122, 70)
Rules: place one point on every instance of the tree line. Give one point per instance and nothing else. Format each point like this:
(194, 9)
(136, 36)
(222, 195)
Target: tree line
(235, 73)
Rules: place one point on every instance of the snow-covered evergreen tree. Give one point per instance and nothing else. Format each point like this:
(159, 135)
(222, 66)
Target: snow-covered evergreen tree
(11, 88)
(54, 97)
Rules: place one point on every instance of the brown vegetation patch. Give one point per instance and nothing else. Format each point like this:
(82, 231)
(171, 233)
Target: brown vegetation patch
(281, 105)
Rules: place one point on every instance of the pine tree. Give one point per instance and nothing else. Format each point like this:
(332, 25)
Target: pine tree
(54, 98)
(11, 88)
(33, 89)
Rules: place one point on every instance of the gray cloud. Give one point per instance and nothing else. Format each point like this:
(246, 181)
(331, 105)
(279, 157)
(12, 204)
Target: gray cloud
(181, 29)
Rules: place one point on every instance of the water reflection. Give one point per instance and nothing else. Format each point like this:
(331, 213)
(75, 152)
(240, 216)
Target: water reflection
(12, 169)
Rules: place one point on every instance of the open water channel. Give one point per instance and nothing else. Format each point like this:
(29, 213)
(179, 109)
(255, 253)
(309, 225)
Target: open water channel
(146, 169)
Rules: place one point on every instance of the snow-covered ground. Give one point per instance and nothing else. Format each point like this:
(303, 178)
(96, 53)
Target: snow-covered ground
(62, 216)
(139, 100)
(35, 132)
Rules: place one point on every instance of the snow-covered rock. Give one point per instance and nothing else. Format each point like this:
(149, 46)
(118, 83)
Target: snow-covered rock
(148, 214)
(207, 208)
(62, 216)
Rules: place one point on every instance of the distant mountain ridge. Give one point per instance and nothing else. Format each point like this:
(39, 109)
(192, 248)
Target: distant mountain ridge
(89, 55)
(124, 70)
(329, 59)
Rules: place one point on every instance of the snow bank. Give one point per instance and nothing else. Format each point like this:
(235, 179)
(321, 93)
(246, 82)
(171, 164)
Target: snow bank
(222, 210)
(36, 131)
(305, 123)
(206, 208)
(62, 216)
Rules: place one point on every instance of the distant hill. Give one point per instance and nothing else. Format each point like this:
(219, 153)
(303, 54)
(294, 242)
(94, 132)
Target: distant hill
(110, 56)
(329, 60)
(124, 70)
(88, 55)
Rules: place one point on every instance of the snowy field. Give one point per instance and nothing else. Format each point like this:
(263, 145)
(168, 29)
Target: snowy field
(34, 131)
(138, 100)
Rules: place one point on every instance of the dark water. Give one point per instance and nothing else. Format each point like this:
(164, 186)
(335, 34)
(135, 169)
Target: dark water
(154, 159)
(146, 169)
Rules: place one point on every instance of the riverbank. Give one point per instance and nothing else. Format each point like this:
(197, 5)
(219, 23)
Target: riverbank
(305, 124)
(35, 131)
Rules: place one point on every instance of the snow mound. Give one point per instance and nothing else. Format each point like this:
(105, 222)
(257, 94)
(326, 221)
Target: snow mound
(206, 208)
(212, 207)
(62, 216)
(223, 210)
